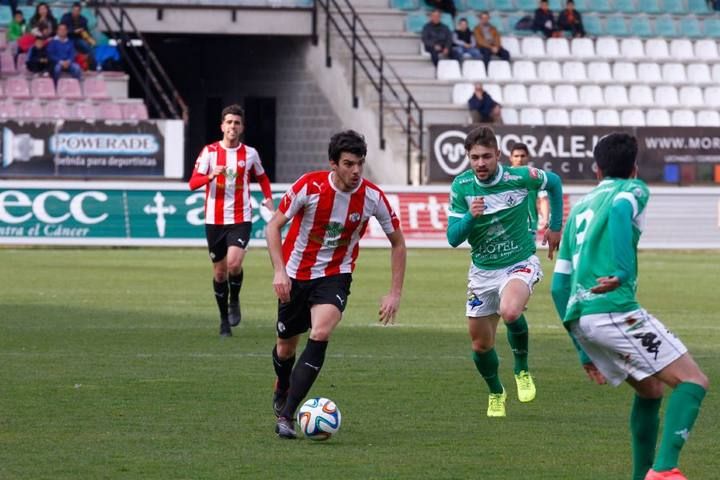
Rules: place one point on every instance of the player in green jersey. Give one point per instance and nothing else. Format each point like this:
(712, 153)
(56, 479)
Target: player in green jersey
(594, 292)
(489, 209)
(538, 205)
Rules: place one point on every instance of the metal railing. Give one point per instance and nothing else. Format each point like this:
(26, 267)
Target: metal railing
(159, 92)
(369, 58)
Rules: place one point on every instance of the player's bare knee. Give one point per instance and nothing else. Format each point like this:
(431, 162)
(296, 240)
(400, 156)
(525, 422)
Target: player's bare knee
(510, 314)
(235, 267)
(320, 335)
(285, 350)
(482, 346)
(650, 388)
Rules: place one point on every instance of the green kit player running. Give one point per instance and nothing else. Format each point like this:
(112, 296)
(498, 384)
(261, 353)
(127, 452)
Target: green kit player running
(594, 292)
(489, 209)
(537, 199)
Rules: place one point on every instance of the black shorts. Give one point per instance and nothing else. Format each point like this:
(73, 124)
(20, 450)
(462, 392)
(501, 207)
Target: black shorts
(220, 237)
(294, 316)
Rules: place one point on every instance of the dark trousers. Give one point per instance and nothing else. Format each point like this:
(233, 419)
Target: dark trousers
(487, 53)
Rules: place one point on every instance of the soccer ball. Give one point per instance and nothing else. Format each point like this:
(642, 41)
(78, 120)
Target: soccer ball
(319, 418)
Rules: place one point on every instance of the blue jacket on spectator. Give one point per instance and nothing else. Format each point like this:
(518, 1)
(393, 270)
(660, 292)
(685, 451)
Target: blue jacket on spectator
(61, 50)
(484, 106)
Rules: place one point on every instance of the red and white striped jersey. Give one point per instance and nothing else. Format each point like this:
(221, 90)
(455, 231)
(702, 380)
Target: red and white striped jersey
(227, 198)
(327, 224)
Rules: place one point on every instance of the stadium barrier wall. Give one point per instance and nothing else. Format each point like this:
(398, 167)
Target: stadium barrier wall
(66, 149)
(164, 214)
(676, 156)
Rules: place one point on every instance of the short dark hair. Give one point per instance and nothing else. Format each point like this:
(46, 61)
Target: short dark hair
(348, 141)
(18, 11)
(520, 146)
(77, 4)
(462, 19)
(615, 154)
(483, 136)
(233, 109)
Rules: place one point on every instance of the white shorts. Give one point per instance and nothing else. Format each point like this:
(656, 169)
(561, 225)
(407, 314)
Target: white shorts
(485, 286)
(634, 344)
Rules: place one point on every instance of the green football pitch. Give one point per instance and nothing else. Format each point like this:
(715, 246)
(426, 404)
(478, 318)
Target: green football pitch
(112, 367)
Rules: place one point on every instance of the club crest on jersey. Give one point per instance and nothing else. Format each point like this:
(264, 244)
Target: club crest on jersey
(510, 200)
(354, 217)
(241, 163)
(533, 172)
(638, 192)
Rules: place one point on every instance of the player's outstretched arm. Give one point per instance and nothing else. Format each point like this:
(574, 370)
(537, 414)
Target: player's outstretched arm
(398, 257)
(273, 233)
(555, 194)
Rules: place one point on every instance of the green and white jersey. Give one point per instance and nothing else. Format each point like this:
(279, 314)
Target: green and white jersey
(499, 237)
(587, 252)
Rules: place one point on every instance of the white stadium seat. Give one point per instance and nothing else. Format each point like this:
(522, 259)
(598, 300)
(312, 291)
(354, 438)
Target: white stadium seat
(448, 70)
(499, 70)
(706, 50)
(574, 72)
(549, 71)
(712, 97)
(674, 73)
(582, 117)
(599, 72)
(666, 96)
(641, 96)
(708, 118)
(632, 118)
(474, 70)
(657, 49)
(691, 97)
(649, 72)
(624, 72)
(566, 95)
(632, 48)
(657, 117)
(607, 47)
(541, 95)
(494, 90)
(531, 116)
(616, 96)
(582, 48)
(533, 47)
(591, 96)
(607, 118)
(462, 93)
(557, 116)
(512, 45)
(683, 118)
(524, 70)
(716, 73)
(509, 116)
(681, 49)
(515, 94)
(698, 73)
(557, 48)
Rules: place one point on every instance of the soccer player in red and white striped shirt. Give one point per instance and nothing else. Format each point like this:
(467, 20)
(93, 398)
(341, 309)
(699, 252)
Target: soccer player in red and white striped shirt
(223, 168)
(313, 268)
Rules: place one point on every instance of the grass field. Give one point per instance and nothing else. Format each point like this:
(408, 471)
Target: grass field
(111, 368)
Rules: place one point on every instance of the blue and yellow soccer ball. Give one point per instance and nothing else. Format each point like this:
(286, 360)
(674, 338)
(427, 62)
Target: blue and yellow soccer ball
(319, 418)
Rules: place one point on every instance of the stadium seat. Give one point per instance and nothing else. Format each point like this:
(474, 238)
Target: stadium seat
(600, 6)
(557, 48)
(607, 118)
(599, 72)
(473, 70)
(616, 96)
(404, 4)
(566, 95)
(616, 26)
(557, 116)
(683, 118)
(665, 27)
(109, 111)
(95, 88)
(640, 26)
(505, 5)
(531, 116)
(712, 97)
(30, 109)
(448, 70)
(7, 63)
(657, 48)
(631, 48)
(707, 118)
(681, 49)
(17, 87)
(657, 117)
(2, 91)
(676, 7)
(582, 48)
(706, 50)
(134, 111)
(510, 116)
(624, 72)
(625, 6)
(690, 27)
(533, 47)
(582, 117)
(512, 45)
(591, 96)
(556, 5)
(541, 95)
(499, 70)
(691, 97)
(698, 73)
(699, 7)
(21, 64)
(415, 22)
(549, 71)
(666, 96)
(8, 109)
(649, 72)
(674, 73)
(57, 110)
(86, 111)
(632, 118)
(42, 87)
(515, 94)
(527, 5)
(574, 72)
(524, 70)
(480, 5)
(593, 25)
(69, 88)
(711, 27)
(462, 92)
(494, 90)
(6, 17)
(649, 6)
(716, 73)
(641, 96)
(607, 47)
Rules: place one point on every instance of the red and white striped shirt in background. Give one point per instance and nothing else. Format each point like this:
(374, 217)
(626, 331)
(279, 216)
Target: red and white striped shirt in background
(227, 198)
(327, 224)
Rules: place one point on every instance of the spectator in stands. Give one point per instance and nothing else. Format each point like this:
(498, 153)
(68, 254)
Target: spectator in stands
(16, 28)
(77, 26)
(42, 31)
(544, 21)
(483, 109)
(437, 38)
(38, 59)
(447, 6)
(464, 44)
(488, 40)
(42, 15)
(62, 55)
(570, 20)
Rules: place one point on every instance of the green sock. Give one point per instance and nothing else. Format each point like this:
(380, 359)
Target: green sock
(644, 423)
(517, 334)
(682, 410)
(487, 364)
